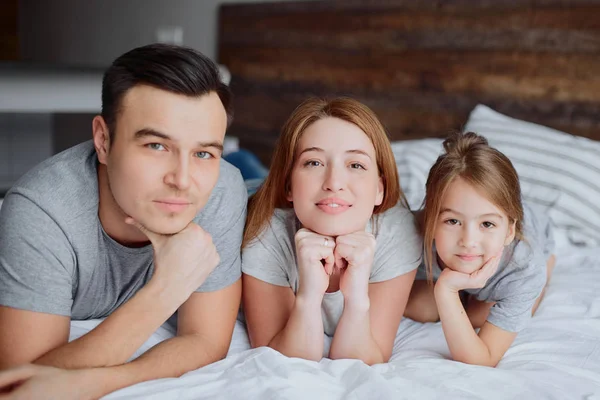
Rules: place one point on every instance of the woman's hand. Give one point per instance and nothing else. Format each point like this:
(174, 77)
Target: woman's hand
(354, 257)
(315, 262)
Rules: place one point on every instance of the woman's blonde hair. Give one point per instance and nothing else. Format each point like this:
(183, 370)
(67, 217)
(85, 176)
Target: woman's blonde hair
(468, 156)
(272, 194)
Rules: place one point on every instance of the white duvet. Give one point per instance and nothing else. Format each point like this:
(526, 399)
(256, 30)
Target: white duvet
(556, 357)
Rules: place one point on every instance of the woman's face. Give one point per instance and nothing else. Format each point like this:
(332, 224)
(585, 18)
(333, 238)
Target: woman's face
(335, 181)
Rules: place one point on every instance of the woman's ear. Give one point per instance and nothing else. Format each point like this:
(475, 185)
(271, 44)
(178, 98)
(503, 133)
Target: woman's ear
(101, 138)
(380, 192)
(510, 236)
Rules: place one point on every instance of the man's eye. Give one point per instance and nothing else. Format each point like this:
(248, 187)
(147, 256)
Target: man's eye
(204, 155)
(155, 146)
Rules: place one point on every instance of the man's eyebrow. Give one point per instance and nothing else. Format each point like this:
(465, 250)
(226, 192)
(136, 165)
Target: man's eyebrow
(148, 132)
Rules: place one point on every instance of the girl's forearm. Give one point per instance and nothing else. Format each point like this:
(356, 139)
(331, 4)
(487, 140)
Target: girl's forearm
(464, 344)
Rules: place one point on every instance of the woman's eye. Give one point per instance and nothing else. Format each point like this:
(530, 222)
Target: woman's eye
(451, 221)
(155, 146)
(312, 163)
(357, 166)
(488, 224)
(203, 154)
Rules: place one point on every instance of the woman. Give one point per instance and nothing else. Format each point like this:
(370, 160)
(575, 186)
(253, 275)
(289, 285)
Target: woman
(330, 245)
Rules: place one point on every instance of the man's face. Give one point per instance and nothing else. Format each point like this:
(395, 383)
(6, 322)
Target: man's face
(470, 229)
(164, 160)
(335, 181)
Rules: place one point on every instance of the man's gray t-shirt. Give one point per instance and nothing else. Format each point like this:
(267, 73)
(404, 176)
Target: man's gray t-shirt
(56, 258)
(521, 274)
(272, 256)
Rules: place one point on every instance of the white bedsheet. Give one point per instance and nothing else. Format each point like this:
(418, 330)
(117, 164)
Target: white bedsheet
(556, 357)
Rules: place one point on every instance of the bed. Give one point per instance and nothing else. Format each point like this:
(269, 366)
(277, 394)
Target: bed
(521, 73)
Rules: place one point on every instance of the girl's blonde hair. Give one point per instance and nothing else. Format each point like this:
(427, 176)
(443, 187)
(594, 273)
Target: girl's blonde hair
(272, 193)
(468, 156)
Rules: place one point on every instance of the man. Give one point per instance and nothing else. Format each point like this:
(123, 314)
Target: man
(141, 222)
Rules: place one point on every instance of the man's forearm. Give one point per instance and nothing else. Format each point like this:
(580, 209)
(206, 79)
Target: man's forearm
(117, 338)
(302, 335)
(169, 359)
(353, 337)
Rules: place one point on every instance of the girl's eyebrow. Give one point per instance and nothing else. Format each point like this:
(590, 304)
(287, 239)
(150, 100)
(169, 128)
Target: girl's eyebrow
(444, 210)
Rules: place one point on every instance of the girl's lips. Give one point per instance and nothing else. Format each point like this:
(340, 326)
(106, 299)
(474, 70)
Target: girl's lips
(468, 257)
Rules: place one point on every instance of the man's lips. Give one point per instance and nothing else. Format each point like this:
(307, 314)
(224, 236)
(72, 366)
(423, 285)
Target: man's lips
(172, 204)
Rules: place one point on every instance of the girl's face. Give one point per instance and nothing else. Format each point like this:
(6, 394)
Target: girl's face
(335, 181)
(470, 229)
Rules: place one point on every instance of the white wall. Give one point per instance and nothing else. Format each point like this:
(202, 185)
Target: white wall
(95, 32)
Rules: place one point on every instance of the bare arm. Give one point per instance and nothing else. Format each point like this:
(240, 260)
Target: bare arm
(117, 338)
(205, 327)
(367, 329)
(290, 324)
(25, 335)
(465, 345)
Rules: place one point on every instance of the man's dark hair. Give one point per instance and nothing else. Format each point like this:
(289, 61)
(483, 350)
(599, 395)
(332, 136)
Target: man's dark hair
(175, 69)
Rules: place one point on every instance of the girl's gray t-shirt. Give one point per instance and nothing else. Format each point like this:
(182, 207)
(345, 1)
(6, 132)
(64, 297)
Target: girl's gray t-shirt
(521, 274)
(272, 256)
(56, 258)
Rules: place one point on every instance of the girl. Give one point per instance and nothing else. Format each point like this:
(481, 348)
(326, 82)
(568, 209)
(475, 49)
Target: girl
(479, 240)
(330, 245)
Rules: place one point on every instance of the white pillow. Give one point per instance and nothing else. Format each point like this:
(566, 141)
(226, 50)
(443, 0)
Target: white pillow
(558, 171)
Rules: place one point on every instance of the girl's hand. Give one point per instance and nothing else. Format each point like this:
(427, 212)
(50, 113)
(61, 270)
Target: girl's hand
(455, 281)
(354, 258)
(315, 262)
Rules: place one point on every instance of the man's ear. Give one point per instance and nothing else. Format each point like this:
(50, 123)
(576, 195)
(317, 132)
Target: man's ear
(101, 138)
(510, 236)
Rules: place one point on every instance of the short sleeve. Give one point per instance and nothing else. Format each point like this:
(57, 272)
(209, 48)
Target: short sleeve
(37, 261)
(516, 294)
(224, 218)
(271, 255)
(399, 245)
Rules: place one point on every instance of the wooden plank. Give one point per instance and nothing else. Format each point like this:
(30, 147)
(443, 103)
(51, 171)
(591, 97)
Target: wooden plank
(518, 75)
(9, 44)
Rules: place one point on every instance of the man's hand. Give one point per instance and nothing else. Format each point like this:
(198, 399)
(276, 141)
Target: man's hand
(182, 261)
(41, 382)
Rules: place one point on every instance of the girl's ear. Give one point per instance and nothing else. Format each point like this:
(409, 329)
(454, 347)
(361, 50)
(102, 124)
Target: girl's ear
(510, 236)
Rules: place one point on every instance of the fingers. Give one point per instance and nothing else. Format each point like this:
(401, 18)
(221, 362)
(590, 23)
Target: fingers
(15, 376)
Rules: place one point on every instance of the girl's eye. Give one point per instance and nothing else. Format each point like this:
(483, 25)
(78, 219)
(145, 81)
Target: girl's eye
(451, 221)
(312, 163)
(488, 224)
(203, 154)
(357, 166)
(155, 146)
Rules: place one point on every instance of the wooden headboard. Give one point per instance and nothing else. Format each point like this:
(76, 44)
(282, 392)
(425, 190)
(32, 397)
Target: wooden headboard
(420, 65)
